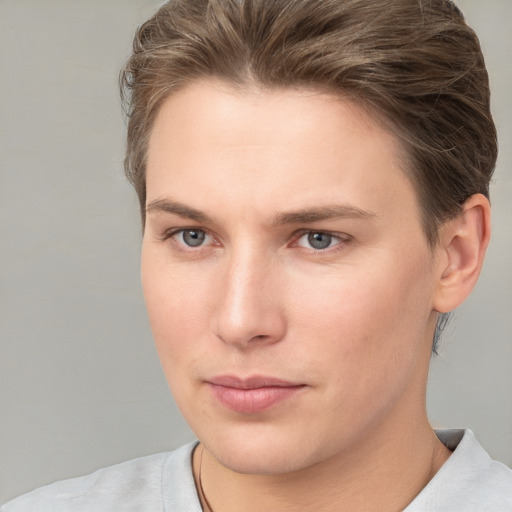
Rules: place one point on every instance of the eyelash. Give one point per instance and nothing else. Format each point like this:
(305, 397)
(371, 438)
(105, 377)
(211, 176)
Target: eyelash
(342, 240)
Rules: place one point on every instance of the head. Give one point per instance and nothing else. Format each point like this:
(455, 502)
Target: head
(259, 257)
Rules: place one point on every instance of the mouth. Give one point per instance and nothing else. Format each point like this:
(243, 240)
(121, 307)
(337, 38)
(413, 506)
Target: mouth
(252, 395)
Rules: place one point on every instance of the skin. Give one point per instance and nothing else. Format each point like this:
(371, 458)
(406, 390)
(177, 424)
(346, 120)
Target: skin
(352, 323)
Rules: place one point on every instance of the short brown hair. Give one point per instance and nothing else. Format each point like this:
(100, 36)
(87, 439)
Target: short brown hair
(414, 63)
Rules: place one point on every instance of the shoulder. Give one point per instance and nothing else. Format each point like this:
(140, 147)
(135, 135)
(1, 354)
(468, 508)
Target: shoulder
(469, 480)
(136, 482)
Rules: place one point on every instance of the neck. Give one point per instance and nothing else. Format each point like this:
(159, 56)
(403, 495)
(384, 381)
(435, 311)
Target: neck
(383, 472)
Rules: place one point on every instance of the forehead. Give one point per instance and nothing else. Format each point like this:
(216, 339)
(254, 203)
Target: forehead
(266, 150)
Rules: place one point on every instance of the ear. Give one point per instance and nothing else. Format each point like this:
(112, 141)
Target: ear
(460, 253)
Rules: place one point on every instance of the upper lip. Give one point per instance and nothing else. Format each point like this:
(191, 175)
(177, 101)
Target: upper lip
(254, 382)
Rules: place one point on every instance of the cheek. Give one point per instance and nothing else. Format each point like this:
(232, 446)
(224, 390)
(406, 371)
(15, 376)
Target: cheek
(178, 308)
(179, 319)
(369, 324)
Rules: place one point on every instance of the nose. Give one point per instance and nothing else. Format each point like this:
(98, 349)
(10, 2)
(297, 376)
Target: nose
(249, 311)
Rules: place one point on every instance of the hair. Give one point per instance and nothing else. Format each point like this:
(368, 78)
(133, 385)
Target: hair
(414, 64)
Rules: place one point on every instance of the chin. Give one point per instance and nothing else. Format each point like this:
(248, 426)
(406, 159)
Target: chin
(257, 461)
(260, 451)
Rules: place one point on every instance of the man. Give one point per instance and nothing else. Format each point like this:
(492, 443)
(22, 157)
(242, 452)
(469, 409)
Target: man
(313, 180)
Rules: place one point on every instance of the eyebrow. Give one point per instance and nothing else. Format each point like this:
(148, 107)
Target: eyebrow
(329, 212)
(180, 209)
(306, 215)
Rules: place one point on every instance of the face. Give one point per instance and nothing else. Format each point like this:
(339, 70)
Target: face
(287, 277)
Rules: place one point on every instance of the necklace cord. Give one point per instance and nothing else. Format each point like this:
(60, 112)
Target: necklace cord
(207, 507)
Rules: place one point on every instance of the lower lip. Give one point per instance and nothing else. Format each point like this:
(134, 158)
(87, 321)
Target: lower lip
(252, 401)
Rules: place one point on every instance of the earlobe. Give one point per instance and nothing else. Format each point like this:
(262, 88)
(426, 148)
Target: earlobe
(463, 242)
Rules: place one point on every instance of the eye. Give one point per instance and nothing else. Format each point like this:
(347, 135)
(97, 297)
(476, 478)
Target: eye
(318, 240)
(191, 237)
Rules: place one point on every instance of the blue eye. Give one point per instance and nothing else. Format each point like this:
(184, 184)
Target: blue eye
(318, 240)
(192, 237)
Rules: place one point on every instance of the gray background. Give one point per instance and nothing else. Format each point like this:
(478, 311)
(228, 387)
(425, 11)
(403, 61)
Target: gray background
(80, 384)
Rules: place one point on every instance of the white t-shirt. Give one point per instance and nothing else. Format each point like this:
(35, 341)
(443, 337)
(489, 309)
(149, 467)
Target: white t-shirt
(469, 481)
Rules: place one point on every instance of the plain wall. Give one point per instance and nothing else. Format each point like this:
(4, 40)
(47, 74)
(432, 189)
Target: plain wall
(80, 383)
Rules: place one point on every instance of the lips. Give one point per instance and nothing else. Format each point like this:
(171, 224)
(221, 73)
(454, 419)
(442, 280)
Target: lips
(252, 395)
